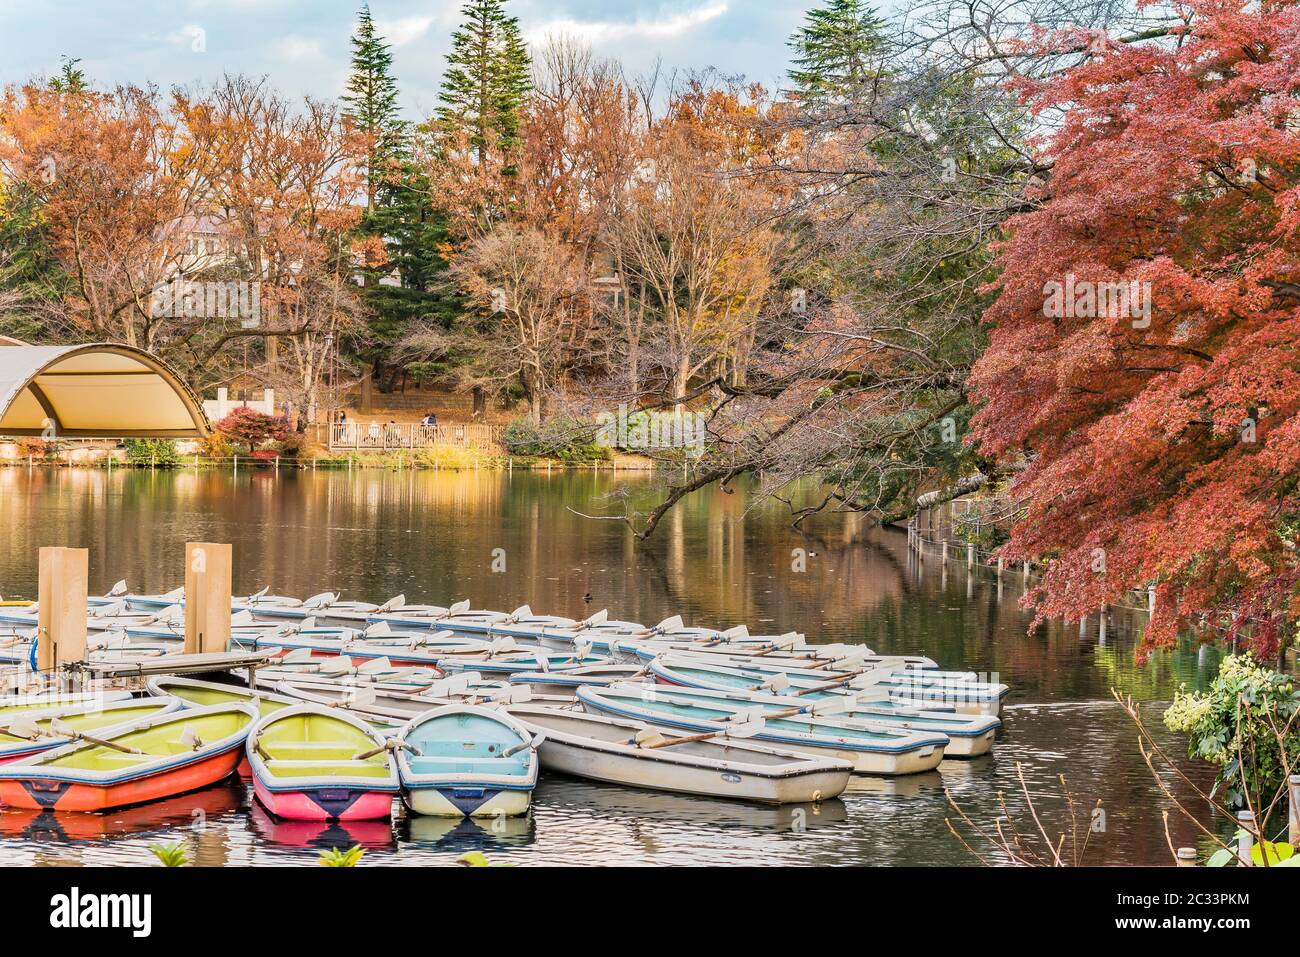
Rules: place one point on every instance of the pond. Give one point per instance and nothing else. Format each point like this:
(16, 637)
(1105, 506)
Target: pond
(503, 539)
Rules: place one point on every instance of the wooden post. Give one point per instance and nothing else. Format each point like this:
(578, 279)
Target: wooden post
(1293, 784)
(1000, 560)
(1246, 840)
(1151, 599)
(943, 552)
(1187, 857)
(207, 597)
(61, 617)
(970, 555)
(1025, 569)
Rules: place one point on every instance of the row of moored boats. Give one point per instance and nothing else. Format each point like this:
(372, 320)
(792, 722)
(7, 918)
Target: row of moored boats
(456, 710)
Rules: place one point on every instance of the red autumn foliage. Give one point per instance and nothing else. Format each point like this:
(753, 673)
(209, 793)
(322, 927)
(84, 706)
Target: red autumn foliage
(1166, 452)
(256, 431)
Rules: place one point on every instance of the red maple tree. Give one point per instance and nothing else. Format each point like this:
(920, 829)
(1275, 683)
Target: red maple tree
(1159, 418)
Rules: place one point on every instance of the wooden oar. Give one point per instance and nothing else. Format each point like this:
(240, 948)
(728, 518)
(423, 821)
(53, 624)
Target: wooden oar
(786, 642)
(828, 685)
(533, 743)
(651, 738)
(63, 730)
(832, 706)
(391, 744)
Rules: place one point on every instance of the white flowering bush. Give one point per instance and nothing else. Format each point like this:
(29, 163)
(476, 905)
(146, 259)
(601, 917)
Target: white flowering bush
(1245, 723)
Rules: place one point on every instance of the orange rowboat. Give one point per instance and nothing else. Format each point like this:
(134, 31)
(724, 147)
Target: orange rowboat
(156, 758)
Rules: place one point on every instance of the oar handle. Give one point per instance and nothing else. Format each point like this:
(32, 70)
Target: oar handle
(108, 744)
(830, 684)
(517, 748)
(392, 744)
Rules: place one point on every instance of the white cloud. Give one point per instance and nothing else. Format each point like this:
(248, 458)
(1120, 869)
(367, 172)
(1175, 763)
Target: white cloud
(294, 47)
(597, 31)
(403, 31)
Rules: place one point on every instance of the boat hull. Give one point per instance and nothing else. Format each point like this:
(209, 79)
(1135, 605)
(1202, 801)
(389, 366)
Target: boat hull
(325, 803)
(59, 794)
(803, 788)
(888, 762)
(467, 801)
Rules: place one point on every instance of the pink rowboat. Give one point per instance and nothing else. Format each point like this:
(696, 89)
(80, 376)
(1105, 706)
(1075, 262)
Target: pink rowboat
(312, 763)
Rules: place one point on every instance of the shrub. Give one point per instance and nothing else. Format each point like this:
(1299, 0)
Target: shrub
(216, 446)
(251, 432)
(160, 452)
(1242, 723)
(569, 440)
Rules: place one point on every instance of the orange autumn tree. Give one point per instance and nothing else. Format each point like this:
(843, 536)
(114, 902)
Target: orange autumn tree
(1145, 353)
(114, 174)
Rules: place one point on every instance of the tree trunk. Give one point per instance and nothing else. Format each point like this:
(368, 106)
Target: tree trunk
(365, 393)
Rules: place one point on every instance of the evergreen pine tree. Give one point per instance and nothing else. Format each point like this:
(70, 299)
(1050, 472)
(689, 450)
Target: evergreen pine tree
(836, 52)
(487, 77)
(371, 103)
(399, 209)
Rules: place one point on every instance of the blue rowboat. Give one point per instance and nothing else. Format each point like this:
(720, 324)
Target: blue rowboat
(566, 682)
(969, 735)
(910, 687)
(869, 750)
(467, 761)
(519, 661)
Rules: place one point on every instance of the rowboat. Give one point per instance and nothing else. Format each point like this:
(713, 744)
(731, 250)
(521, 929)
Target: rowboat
(633, 643)
(402, 679)
(521, 660)
(466, 760)
(904, 667)
(565, 683)
(906, 687)
(359, 651)
(380, 704)
(869, 750)
(25, 735)
(969, 736)
(318, 764)
(57, 700)
(160, 757)
(605, 749)
(195, 693)
(465, 620)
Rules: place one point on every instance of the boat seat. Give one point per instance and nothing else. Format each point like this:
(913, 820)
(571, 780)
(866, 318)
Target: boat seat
(312, 750)
(113, 760)
(326, 768)
(467, 765)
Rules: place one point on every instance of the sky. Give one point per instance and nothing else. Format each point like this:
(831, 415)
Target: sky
(302, 45)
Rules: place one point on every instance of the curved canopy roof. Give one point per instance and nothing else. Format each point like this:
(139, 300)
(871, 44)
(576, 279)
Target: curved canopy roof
(94, 391)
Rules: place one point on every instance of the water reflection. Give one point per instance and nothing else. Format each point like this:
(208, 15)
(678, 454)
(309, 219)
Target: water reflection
(719, 559)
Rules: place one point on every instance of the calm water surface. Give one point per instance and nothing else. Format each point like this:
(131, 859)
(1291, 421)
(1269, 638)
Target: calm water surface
(719, 559)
